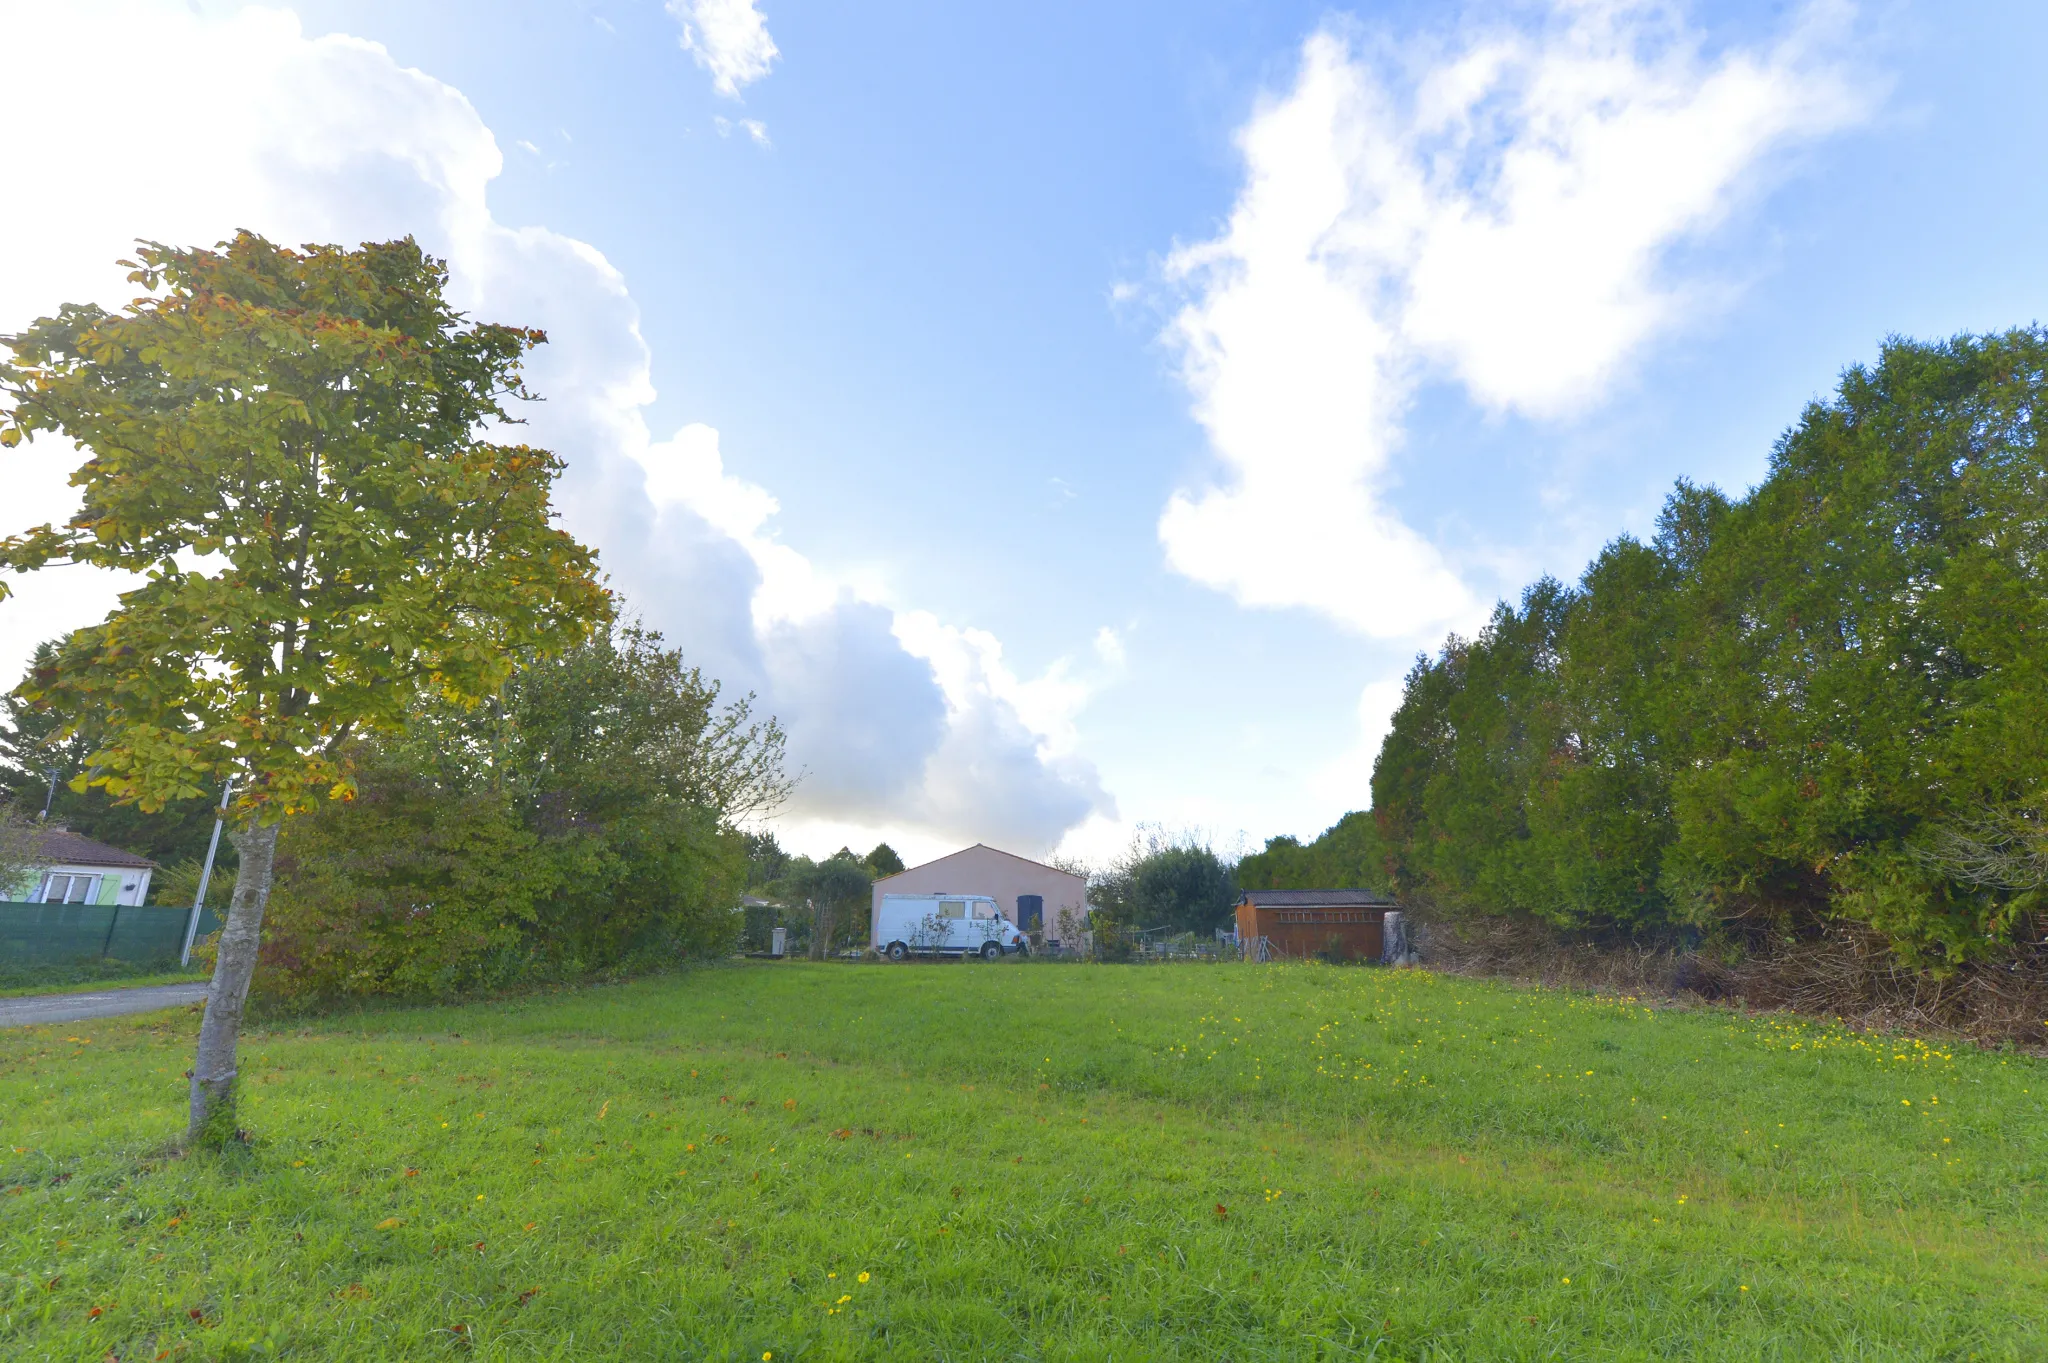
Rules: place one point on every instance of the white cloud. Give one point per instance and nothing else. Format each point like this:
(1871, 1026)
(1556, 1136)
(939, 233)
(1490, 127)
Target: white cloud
(1503, 214)
(890, 707)
(907, 727)
(1345, 779)
(729, 38)
(753, 127)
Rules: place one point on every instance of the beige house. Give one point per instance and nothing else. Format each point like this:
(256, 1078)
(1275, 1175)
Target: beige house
(1030, 894)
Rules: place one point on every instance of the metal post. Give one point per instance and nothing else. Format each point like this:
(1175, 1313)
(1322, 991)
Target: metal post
(205, 875)
(51, 798)
(1394, 938)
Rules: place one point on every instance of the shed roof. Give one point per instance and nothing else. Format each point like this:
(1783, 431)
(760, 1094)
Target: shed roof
(62, 847)
(1317, 899)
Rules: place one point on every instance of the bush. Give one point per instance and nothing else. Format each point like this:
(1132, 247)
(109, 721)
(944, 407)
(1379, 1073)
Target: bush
(582, 823)
(1179, 884)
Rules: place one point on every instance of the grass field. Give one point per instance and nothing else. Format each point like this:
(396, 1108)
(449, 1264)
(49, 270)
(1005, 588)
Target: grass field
(25, 984)
(1030, 1161)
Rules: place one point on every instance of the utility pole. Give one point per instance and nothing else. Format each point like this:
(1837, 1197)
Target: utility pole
(51, 798)
(205, 875)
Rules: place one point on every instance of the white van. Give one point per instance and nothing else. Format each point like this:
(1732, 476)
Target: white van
(945, 925)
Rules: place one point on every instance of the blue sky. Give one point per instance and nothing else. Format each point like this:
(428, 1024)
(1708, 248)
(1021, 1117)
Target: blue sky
(1137, 387)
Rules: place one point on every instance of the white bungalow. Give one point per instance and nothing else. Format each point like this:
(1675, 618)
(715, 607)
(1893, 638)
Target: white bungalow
(74, 869)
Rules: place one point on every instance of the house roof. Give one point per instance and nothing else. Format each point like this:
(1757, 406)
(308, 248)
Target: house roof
(986, 848)
(1317, 899)
(62, 847)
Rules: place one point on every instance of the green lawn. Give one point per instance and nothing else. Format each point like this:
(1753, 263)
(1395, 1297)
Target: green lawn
(71, 979)
(1030, 1161)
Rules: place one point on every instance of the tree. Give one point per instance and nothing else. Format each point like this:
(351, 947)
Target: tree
(1179, 884)
(766, 861)
(581, 820)
(36, 769)
(883, 861)
(18, 861)
(1827, 699)
(835, 889)
(1184, 889)
(1349, 854)
(287, 443)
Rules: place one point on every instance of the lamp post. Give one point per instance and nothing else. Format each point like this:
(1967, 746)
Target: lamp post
(205, 875)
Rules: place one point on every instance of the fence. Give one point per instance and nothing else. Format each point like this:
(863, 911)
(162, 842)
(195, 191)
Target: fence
(34, 933)
(1196, 950)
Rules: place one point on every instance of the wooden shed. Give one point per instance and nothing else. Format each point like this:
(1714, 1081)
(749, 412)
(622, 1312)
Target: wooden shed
(1305, 922)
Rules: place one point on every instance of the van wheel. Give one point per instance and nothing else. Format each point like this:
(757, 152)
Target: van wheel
(898, 951)
(991, 952)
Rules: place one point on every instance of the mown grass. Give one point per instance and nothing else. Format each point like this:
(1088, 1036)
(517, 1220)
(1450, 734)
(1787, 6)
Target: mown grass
(1030, 1161)
(62, 977)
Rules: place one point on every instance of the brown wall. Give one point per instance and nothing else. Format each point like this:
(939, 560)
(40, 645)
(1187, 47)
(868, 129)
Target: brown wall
(1304, 932)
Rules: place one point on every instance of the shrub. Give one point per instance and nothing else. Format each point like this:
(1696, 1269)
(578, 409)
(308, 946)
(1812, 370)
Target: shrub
(583, 822)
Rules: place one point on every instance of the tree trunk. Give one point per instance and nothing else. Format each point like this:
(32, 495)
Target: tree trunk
(821, 929)
(213, 1073)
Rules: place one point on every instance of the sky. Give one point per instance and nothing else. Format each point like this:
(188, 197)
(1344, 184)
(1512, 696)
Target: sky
(1068, 419)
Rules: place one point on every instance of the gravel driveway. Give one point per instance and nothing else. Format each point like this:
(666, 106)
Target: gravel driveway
(98, 1003)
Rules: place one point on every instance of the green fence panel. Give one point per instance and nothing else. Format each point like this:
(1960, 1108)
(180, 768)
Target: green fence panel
(32, 933)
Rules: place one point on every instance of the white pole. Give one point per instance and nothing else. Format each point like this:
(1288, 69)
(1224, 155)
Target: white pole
(205, 875)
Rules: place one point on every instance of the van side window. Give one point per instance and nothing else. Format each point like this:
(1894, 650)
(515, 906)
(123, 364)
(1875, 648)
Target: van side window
(984, 909)
(952, 908)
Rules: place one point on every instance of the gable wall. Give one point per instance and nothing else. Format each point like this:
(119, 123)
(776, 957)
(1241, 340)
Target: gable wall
(984, 870)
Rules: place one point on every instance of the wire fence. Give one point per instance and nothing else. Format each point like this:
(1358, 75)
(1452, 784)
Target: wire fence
(42, 933)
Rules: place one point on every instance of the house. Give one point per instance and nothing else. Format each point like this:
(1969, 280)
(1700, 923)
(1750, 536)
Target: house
(1306, 922)
(1033, 896)
(74, 869)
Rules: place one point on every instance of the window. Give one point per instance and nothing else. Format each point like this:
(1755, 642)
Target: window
(952, 908)
(984, 909)
(69, 889)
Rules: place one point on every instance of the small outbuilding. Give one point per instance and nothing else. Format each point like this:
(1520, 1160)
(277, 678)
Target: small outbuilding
(1301, 923)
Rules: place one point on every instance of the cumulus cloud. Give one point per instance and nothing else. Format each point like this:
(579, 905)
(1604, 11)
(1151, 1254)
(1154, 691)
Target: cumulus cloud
(1340, 781)
(1502, 213)
(729, 38)
(896, 718)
